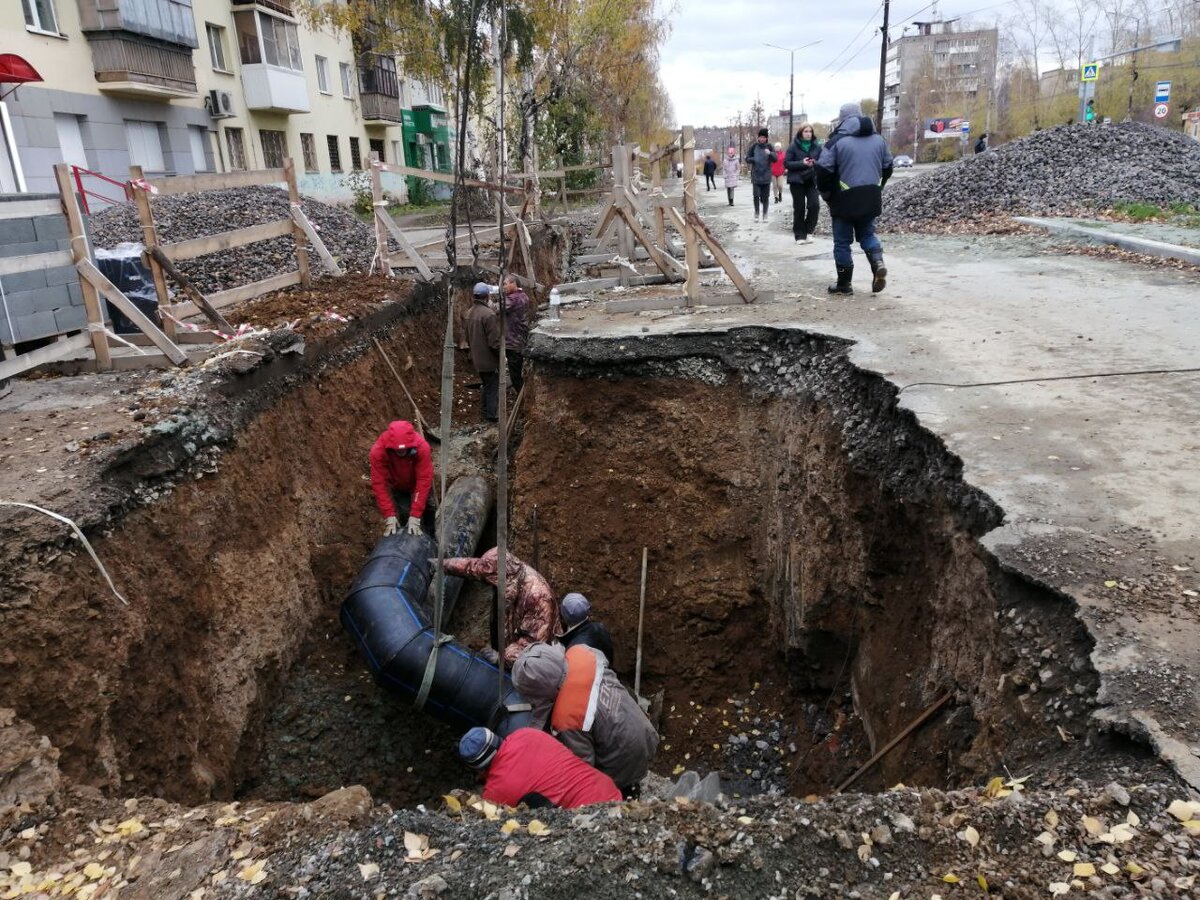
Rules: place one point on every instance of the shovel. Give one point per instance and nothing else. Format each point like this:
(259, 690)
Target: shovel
(430, 433)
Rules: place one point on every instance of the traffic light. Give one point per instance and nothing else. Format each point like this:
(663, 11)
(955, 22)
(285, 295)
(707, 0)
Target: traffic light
(1090, 113)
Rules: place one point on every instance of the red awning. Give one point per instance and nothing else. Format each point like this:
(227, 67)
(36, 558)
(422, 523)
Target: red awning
(14, 70)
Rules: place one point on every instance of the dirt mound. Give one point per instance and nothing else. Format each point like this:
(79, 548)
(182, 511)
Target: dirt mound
(1064, 170)
(186, 216)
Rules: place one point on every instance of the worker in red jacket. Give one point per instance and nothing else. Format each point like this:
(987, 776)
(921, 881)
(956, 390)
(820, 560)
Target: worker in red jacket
(402, 477)
(532, 767)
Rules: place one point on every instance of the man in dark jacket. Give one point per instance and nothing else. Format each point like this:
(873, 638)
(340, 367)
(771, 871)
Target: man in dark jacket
(518, 317)
(710, 172)
(759, 159)
(981, 144)
(851, 172)
(483, 337)
(800, 160)
(575, 612)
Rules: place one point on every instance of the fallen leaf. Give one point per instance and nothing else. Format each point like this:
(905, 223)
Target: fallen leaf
(950, 878)
(1110, 869)
(864, 852)
(1051, 818)
(510, 826)
(537, 827)
(744, 820)
(254, 873)
(511, 850)
(1058, 888)
(1046, 839)
(1110, 584)
(970, 835)
(368, 870)
(452, 803)
(1134, 869)
(994, 787)
(1182, 810)
(1093, 825)
(1084, 870)
(1192, 826)
(93, 871)
(1066, 855)
(895, 895)
(982, 882)
(1133, 819)
(130, 827)
(491, 811)
(21, 869)
(417, 847)
(678, 770)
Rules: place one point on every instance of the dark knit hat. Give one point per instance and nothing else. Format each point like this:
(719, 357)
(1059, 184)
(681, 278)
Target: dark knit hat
(762, 132)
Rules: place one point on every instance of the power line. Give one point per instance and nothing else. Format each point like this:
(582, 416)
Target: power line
(857, 34)
(870, 40)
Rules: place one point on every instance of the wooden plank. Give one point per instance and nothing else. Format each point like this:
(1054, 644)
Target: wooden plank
(72, 345)
(254, 289)
(135, 315)
(35, 262)
(226, 240)
(691, 242)
(289, 169)
(141, 199)
(379, 205)
(69, 204)
(306, 226)
(601, 284)
(603, 221)
(701, 230)
(20, 209)
(656, 255)
(188, 184)
(218, 321)
(445, 178)
(183, 337)
(406, 247)
(480, 233)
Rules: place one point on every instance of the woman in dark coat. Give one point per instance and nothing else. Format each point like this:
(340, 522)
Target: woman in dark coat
(800, 161)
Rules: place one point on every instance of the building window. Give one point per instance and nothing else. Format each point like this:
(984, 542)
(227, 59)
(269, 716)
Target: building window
(378, 76)
(308, 145)
(274, 144)
(377, 149)
(236, 140)
(335, 155)
(70, 139)
(266, 39)
(216, 46)
(397, 153)
(40, 15)
(347, 89)
(145, 145)
(198, 141)
(323, 75)
(355, 155)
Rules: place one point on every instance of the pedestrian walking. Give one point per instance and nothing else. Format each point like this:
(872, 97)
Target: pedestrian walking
(402, 479)
(710, 172)
(759, 158)
(589, 710)
(729, 169)
(518, 311)
(483, 339)
(778, 173)
(529, 766)
(801, 163)
(981, 144)
(854, 165)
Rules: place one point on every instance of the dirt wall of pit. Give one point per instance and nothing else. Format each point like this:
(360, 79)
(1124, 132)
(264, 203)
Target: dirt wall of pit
(225, 573)
(802, 529)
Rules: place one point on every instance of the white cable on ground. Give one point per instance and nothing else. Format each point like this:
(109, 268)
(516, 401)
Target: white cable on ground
(79, 534)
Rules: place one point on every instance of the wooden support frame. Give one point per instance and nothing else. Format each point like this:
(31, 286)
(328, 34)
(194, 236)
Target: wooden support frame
(141, 200)
(192, 184)
(691, 242)
(384, 221)
(701, 230)
(61, 349)
(225, 240)
(289, 170)
(192, 291)
(79, 253)
(110, 293)
(379, 205)
(448, 179)
(318, 245)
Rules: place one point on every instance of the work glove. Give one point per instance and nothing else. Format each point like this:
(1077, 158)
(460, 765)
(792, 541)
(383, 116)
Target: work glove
(414, 525)
(490, 654)
(389, 526)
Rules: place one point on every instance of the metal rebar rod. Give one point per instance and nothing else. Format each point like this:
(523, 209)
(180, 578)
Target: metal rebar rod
(637, 671)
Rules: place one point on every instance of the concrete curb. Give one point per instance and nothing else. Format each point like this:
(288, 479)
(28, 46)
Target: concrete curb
(1190, 255)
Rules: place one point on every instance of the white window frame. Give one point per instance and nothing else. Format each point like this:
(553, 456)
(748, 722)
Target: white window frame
(198, 141)
(217, 48)
(29, 7)
(347, 73)
(144, 125)
(322, 64)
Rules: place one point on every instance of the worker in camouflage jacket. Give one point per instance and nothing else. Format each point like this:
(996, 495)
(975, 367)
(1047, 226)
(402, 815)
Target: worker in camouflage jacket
(531, 609)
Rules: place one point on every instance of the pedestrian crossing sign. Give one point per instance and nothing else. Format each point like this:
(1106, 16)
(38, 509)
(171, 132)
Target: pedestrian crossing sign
(1089, 72)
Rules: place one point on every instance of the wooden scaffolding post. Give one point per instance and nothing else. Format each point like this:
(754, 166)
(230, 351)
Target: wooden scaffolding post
(690, 238)
(141, 199)
(379, 210)
(660, 216)
(289, 171)
(625, 245)
(79, 254)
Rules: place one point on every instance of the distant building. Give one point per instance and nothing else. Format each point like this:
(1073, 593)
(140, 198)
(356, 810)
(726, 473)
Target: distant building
(779, 127)
(1059, 81)
(961, 66)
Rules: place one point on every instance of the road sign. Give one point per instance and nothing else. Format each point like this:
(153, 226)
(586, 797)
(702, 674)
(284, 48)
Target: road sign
(966, 127)
(1089, 72)
(1162, 92)
(1161, 111)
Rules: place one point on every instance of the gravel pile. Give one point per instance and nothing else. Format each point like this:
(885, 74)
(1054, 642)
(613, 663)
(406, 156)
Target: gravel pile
(1061, 171)
(186, 216)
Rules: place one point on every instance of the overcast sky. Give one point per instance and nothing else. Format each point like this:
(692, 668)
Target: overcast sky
(714, 62)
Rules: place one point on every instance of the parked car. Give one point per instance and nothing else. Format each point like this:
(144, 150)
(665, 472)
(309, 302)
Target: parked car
(902, 162)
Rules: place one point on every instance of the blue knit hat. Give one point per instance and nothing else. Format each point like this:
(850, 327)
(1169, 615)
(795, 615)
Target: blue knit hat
(575, 608)
(477, 747)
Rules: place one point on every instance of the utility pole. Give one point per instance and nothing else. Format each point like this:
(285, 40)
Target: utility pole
(1133, 75)
(791, 51)
(883, 49)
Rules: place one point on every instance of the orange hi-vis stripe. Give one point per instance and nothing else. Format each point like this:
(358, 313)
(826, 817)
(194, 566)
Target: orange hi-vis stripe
(575, 706)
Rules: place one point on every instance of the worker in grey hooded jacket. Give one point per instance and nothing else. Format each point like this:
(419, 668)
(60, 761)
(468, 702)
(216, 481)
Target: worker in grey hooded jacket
(851, 172)
(588, 709)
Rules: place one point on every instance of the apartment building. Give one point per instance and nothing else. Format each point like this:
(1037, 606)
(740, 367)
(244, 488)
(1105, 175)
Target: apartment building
(185, 86)
(937, 63)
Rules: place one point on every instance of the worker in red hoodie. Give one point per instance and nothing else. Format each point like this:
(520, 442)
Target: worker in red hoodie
(531, 767)
(402, 477)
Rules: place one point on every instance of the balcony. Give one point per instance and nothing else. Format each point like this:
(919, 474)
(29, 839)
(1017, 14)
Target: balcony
(378, 109)
(274, 88)
(279, 6)
(129, 64)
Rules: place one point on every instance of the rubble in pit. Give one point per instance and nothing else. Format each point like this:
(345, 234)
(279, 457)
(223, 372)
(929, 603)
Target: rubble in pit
(1067, 170)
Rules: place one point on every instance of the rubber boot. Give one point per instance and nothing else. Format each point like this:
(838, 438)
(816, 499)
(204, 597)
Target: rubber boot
(844, 276)
(878, 271)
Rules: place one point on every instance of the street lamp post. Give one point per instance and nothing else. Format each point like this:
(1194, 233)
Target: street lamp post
(791, 51)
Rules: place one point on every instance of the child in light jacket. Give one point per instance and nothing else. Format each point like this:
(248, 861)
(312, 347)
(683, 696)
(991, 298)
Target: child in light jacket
(731, 165)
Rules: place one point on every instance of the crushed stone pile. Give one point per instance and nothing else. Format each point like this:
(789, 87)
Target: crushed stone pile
(185, 216)
(1066, 170)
